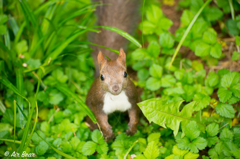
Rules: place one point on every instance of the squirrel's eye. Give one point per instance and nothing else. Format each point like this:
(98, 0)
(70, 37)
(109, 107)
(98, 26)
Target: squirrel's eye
(102, 78)
(125, 74)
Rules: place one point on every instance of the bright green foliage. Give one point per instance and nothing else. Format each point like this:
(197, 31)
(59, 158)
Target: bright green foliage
(191, 141)
(166, 113)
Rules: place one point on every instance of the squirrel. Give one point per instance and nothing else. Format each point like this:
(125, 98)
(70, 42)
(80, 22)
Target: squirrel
(122, 14)
(112, 91)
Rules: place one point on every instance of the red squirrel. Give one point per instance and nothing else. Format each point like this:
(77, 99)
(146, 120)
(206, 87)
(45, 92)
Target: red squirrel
(113, 91)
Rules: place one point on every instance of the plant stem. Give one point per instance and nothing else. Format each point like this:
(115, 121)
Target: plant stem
(232, 9)
(125, 156)
(187, 31)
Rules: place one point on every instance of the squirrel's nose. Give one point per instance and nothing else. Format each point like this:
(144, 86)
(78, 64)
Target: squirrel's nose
(115, 88)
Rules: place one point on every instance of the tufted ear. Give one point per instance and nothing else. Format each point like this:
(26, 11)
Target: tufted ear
(122, 57)
(101, 60)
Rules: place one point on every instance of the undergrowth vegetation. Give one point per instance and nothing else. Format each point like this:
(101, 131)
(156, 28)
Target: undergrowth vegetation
(190, 103)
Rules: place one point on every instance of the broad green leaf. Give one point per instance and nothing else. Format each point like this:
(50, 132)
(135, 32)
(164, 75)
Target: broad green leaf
(202, 49)
(74, 142)
(3, 19)
(224, 94)
(102, 148)
(230, 79)
(212, 79)
(97, 136)
(165, 114)
(22, 47)
(236, 56)
(226, 135)
(216, 50)
(166, 40)
(191, 155)
(156, 71)
(186, 17)
(225, 110)
(192, 131)
(212, 140)
(72, 95)
(167, 81)
(151, 151)
(232, 27)
(167, 24)
(202, 101)
(178, 151)
(153, 49)
(199, 143)
(147, 27)
(153, 84)
(236, 90)
(154, 137)
(233, 100)
(41, 148)
(55, 97)
(89, 148)
(213, 13)
(236, 153)
(143, 74)
(212, 129)
(154, 13)
(210, 36)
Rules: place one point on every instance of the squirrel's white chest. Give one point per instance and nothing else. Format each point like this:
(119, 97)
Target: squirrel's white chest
(114, 103)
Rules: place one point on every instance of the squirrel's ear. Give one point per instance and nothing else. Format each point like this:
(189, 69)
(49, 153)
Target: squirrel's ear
(101, 59)
(122, 57)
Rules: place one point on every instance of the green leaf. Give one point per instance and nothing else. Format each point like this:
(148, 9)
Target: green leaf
(154, 137)
(103, 148)
(167, 24)
(225, 110)
(156, 71)
(210, 36)
(167, 81)
(154, 13)
(202, 101)
(22, 47)
(212, 141)
(45, 127)
(186, 17)
(55, 97)
(165, 114)
(178, 151)
(166, 40)
(213, 13)
(236, 56)
(212, 79)
(153, 49)
(153, 84)
(202, 49)
(72, 95)
(143, 74)
(216, 50)
(200, 143)
(59, 75)
(191, 155)
(147, 27)
(66, 146)
(33, 63)
(74, 142)
(236, 90)
(232, 27)
(192, 131)
(230, 79)
(233, 100)
(224, 94)
(212, 129)
(237, 40)
(41, 148)
(226, 135)
(3, 29)
(89, 148)
(151, 151)
(3, 19)
(236, 153)
(97, 136)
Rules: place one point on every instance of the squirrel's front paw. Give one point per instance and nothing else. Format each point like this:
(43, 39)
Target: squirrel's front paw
(131, 132)
(109, 135)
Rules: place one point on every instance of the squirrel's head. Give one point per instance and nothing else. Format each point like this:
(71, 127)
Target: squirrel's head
(113, 74)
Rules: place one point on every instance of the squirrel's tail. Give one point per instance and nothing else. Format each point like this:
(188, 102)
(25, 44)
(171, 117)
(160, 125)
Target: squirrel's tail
(122, 14)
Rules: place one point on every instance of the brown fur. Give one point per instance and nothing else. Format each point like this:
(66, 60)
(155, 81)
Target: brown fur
(113, 69)
(122, 14)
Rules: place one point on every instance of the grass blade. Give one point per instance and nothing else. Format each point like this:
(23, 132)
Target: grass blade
(2, 107)
(188, 30)
(8, 84)
(15, 118)
(63, 45)
(17, 142)
(232, 9)
(89, 43)
(19, 80)
(122, 33)
(73, 96)
(13, 24)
